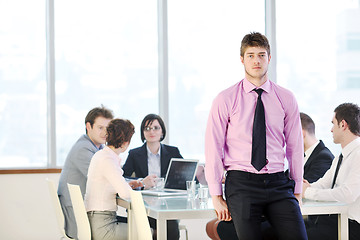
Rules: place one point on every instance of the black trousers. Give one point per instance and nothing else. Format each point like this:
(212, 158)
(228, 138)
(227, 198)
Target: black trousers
(226, 231)
(251, 196)
(326, 227)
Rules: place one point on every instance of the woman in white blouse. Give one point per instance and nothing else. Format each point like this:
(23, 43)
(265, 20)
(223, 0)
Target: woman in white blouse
(105, 180)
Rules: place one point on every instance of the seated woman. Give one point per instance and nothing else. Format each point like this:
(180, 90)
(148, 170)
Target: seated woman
(105, 180)
(153, 158)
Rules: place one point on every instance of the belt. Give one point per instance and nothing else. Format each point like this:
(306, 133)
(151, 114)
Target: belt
(101, 212)
(255, 176)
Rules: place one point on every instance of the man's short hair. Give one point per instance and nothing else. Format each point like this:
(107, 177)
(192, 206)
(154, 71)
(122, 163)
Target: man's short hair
(349, 112)
(98, 112)
(307, 123)
(254, 39)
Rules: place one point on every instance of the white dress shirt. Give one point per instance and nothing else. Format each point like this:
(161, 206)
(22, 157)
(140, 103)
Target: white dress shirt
(154, 166)
(309, 151)
(347, 186)
(105, 180)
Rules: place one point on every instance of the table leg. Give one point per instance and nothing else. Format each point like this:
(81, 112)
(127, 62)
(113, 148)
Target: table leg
(161, 229)
(343, 228)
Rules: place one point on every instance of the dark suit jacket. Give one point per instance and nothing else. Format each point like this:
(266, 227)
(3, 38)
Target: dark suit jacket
(318, 163)
(137, 160)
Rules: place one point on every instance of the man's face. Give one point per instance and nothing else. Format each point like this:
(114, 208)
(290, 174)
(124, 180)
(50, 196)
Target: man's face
(336, 130)
(256, 61)
(97, 133)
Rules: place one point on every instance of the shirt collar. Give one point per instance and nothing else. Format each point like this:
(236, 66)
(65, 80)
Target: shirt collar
(311, 149)
(350, 147)
(98, 148)
(248, 86)
(150, 153)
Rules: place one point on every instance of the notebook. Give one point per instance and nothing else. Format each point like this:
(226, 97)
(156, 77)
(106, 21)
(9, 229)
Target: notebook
(179, 171)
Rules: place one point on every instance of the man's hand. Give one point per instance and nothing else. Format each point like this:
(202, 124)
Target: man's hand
(221, 208)
(149, 181)
(306, 184)
(299, 198)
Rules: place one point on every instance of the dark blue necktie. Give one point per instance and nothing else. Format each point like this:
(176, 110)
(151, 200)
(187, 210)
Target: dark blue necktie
(258, 153)
(337, 170)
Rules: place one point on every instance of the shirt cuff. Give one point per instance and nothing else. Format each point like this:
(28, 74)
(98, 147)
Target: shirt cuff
(298, 187)
(310, 193)
(215, 189)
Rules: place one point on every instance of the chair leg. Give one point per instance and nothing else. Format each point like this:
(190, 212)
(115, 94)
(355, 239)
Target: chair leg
(183, 227)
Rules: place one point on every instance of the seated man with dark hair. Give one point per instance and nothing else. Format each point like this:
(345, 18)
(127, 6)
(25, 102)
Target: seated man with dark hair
(77, 162)
(341, 182)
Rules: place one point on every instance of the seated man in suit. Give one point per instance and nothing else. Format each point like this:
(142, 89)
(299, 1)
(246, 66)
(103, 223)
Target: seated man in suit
(318, 158)
(77, 162)
(317, 161)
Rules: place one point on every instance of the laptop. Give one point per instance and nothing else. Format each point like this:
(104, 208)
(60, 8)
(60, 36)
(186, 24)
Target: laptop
(200, 174)
(179, 171)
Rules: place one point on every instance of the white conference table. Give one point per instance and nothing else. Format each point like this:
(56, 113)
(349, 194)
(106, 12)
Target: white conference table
(180, 207)
(310, 207)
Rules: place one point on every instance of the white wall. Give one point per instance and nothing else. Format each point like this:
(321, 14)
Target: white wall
(27, 213)
(26, 210)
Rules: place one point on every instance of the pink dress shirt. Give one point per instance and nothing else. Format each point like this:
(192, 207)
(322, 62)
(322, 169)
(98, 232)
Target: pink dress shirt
(228, 138)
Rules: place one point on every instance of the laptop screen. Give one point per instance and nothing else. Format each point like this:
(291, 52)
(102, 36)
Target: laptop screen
(180, 171)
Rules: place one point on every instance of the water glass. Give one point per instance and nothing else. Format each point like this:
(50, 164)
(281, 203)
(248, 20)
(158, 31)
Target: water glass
(190, 188)
(203, 194)
(159, 183)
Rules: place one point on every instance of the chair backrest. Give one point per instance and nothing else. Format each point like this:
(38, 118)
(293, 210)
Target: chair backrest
(57, 207)
(139, 216)
(82, 221)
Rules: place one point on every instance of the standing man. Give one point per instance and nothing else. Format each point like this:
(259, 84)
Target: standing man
(249, 125)
(318, 158)
(76, 165)
(342, 181)
(317, 161)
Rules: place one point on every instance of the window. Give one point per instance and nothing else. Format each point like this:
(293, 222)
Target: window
(353, 44)
(319, 64)
(204, 58)
(23, 140)
(106, 53)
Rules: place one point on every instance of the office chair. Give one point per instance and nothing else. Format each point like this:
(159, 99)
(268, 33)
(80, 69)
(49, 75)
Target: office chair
(82, 221)
(140, 228)
(57, 208)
